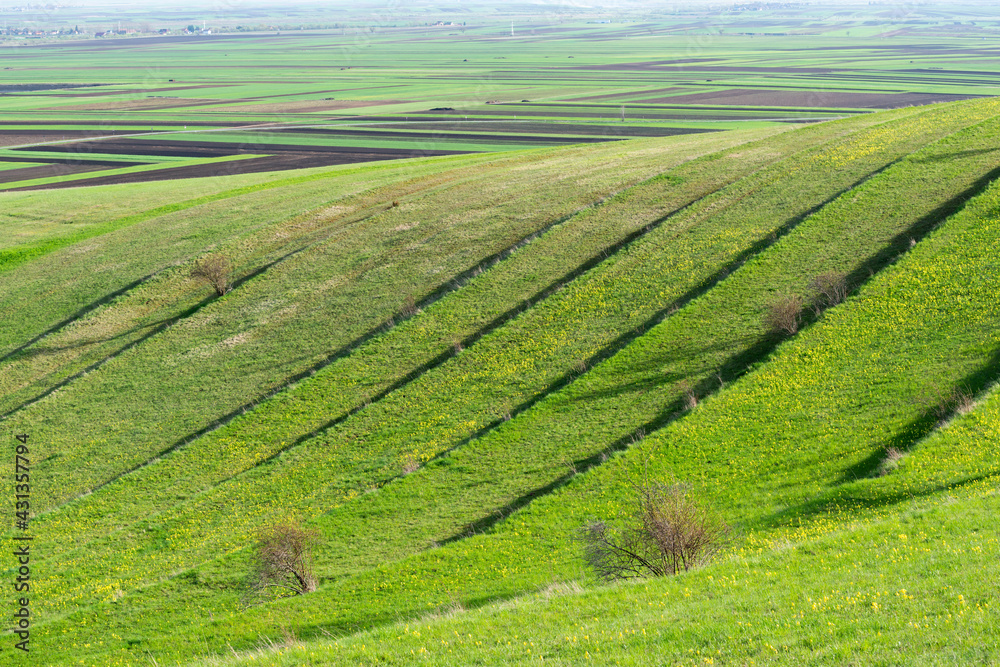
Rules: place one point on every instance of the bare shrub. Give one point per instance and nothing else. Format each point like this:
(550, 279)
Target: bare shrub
(282, 563)
(214, 270)
(831, 289)
(784, 315)
(409, 306)
(893, 457)
(690, 395)
(667, 533)
(411, 464)
(944, 403)
(965, 402)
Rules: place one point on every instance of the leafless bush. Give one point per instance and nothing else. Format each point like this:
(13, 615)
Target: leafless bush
(690, 395)
(215, 271)
(964, 401)
(410, 464)
(831, 289)
(784, 315)
(667, 533)
(409, 306)
(890, 462)
(282, 563)
(943, 403)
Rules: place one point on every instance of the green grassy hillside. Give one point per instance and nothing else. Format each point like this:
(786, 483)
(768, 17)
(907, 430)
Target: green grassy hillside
(447, 366)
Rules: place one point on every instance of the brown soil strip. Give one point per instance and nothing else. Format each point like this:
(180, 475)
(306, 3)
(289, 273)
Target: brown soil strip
(45, 171)
(134, 105)
(246, 106)
(93, 123)
(631, 93)
(126, 146)
(215, 149)
(612, 130)
(462, 136)
(307, 106)
(682, 113)
(72, 161)
(141, 91)
(253, 165)
(811, 99)
(14, 138)
(18, 88)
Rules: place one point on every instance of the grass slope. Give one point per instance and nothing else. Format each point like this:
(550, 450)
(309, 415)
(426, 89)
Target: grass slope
(219, 357)
(964, 157)
(890, 591)
(789, 475)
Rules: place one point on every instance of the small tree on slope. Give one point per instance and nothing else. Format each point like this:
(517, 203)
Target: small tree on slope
(282, 563)
(667, 533)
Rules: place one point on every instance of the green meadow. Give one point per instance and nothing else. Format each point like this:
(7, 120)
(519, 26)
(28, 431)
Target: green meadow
(479, 288)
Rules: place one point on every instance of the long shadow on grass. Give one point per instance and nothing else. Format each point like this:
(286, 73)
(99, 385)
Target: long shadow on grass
(94, 305)
(491, 326)
(838, 500)
(757, 352)
(942, 410)
(957, 154)
(405, 314)
(454, 284)
(591, 263)
(161, 326)
(730, 370)
(306, 242)
(385, 616)
(903, 241)
(108, 298)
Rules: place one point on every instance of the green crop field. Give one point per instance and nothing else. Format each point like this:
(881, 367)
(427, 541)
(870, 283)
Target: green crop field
(306, 89)
(488, 270)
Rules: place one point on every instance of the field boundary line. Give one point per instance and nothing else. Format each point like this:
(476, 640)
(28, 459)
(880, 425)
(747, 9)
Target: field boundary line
(451, 285)
(11, 258)
(981, 382)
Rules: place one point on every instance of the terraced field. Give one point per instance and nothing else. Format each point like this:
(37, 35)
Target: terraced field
(448, 365)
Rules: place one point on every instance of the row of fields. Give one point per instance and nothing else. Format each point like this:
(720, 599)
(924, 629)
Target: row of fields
(624, 279)
(316, 98)
(782, 452)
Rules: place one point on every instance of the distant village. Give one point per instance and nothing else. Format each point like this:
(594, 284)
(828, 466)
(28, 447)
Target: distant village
(145, 29)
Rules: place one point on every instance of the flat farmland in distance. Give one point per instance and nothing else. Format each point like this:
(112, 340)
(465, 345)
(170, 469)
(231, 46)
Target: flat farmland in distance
(368, 88)
(482, 272)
